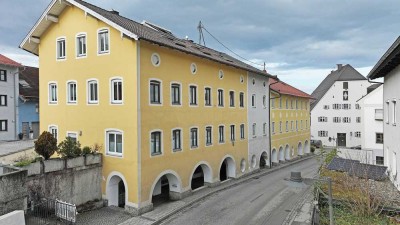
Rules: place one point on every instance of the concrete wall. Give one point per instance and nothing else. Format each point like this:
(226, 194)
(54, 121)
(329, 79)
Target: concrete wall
(12, 190)
(9, 112)
(364, 156)
(13, 218)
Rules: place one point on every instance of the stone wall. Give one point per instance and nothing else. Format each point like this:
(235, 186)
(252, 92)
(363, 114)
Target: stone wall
(13, 190)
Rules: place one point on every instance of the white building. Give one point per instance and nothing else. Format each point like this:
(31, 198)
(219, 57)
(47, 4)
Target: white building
(335, 113)
(388, 68)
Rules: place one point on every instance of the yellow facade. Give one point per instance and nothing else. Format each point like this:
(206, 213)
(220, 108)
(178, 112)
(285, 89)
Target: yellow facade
(289, 141)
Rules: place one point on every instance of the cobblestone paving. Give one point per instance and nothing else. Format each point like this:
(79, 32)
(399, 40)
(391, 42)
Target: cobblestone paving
(105, 216)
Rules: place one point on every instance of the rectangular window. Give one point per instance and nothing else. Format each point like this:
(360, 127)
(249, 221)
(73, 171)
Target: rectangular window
(379, 160)
(156, 143)
(337, 106)
(193, 138)
(379, 114)
(291, 104)
(155, 92)
(280, 126)
(345, 85)
(254, 130)
(232, 99)
(221, 134)
(337, 119)
(241, 100)
(301, 124)
(358, 106)
(297, 105)
(73, 136)
(3, 75)
(273, 127)
(291, 125)
(220, 97)
(273, 103)
(357, 134)
(175, 94)
(346, 120)
(322, 119)
(54, 131)
(241, 131)
(322, 133)
(3, 125)
(326, 106)
(280, 102)
(93, 95)
(81, 45)
(265, 128)
(265, 101)
(379, 138)
(71, 92)
(287, 104)
(3, 100)
(104, 41)
(52, 93)
(193, 95)
(387, 112)
(358, 119)
(61, 48)
(208, 135)
(253, 101)
(207, 96)
(297, 125)
(394, 112)
(306, 124)
(346, 106)
(232, 132)
(116, 91)
(287, 126)
(176, 140)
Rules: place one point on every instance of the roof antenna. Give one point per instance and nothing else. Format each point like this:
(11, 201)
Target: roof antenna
(201, 35)
(264, 68)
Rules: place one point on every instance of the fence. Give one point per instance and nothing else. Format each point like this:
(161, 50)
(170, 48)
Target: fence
(50, 212)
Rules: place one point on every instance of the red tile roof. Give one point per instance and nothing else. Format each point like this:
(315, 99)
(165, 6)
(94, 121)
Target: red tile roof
(7, 61)
(284, 88)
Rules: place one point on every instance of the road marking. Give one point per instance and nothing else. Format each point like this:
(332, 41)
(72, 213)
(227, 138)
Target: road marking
(256, 198)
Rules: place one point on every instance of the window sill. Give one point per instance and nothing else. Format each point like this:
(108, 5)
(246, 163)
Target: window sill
(223, 142)
(177, 150)
(156, 103)
(116, 103)
(173, 104)
(208, 144)
(114, 154)
(156, 154)
(194, 147)
(103, 52)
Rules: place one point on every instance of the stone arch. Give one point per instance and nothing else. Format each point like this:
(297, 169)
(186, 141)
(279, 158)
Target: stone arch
(264, 159)
(227, 168)
(206, 172)
(306, 147)
(174, 183)
(281, 154)
(274, 156)
(287, 152)
(116, 189)
(300, 149)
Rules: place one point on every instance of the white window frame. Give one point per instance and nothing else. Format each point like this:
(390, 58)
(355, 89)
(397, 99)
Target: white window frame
(160, 92)
(88, 93)
(211, 136)
(205, 92)
(222, 98)
(62, 58)
(68, 94)
(232, 134)
(161, 143)
(112, 101)
(75, 133)
(171, 93)
(221, 135)
(50, 97)
(77, 36)
(394, 101)
(197, 138)
(106, 139)
(173, 140)
(232, 98)
(241, 99)
(273, 127)
(108, 51)
(52, 127)
(242, 131)
(387, 112)
(196, 98)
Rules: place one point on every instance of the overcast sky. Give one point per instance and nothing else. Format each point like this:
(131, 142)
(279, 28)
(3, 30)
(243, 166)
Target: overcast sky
(300, 40)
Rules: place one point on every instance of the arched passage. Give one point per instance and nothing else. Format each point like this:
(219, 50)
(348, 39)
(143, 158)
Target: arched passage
(227, 169)
(274, 156)
(264, 160)
(287, 152)
(116, 190)
(201, 174)
(306, 147)
(166, 183)
(300, 149)
(253, 162)
(281, 154)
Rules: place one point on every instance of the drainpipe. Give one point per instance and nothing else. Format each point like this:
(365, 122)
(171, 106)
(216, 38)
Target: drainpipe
(269, 119)
(16, 101)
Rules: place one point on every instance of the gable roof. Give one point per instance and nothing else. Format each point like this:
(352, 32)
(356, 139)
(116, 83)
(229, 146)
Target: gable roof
(137, 31)
(29, 83)
(389, 61)
(8, 62)
(286, 89)
(343, 73)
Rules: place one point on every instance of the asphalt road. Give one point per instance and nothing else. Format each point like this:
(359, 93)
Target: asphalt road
(266, 200)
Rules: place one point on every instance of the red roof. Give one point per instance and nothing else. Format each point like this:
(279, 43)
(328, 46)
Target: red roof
(7, 61)
(284, 88)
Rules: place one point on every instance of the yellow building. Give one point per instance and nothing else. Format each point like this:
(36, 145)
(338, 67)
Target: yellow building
(290, 122)
(171, 115)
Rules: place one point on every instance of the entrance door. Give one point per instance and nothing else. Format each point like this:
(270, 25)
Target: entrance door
(25, 129)
(35, 128)
(121, 194)
(341, 139)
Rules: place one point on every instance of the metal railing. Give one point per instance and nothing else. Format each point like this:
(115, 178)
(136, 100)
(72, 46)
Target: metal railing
(50, 212)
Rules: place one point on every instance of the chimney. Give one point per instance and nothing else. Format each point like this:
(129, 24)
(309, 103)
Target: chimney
(114, 12)
(339, 66)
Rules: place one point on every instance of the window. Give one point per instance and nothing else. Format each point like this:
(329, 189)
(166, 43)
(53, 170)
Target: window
(337, 119)
(287, 126)
(221, 134)
(241, 131)
(3, 125)
(52, 93)
(358, 106)
(379, 138)
(387, 112)
(232, 99)
(301, 124)
(379, 114)
(336, 106)
(254, 130)
(193, 95)
(175, 94)
(287, 104)
(297, 105)
(306, 124)
(208, 135)
(176, 140)
(358, 119)
(265, 101)
(394, 112)
(273, 127)
(379, 160)
(291, 125)
(3, 75)
(273, 103)
(264, 128)
(292, 104)
(253, 101)
(116, 91)
(280, 126)
(193, 138)
(54, 131)
(81, 45)
(322, 133)
(322, 119)
(3, 100)
(357, 134)
(93, 95)
(71, 92)
(326, 106)
(346, 119)
(155, 92)
(155, 146)
(220, 97)
(61, 48)
(297, 125)
(345, 95)
(241, 100)
(346, 106)
(207, 96)
(345, 85)
(232, 132)
(73, 136)
(280, 102)
(103, 41)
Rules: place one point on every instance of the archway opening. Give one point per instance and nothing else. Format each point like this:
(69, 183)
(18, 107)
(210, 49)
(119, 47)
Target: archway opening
(300, 149)
(162, 190)
(116, 192)
(264, 160)
(253, 162)
(287, 152)
(274, 156)
(281, 154)
(227, 169)
(197, 178)
(306, 147)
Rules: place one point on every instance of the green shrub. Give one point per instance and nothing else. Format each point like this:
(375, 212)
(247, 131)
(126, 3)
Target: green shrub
(69, 148)
(86, 150)
(96, 148)
(23, 163)
(46, 145)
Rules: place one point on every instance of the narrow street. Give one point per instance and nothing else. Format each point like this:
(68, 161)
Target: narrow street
(266, 200)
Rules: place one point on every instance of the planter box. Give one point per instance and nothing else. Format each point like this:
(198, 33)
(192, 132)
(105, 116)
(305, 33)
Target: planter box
(91, 159)
(34, 168)
(75, 162)
(52, 165)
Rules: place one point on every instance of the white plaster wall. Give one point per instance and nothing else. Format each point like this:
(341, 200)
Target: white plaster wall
(334, 95)
(364, 156)
(258, 115)
(11, 89)
(391, 137)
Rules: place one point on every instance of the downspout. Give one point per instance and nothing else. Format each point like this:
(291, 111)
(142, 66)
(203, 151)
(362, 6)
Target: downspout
(269, 120)
(16, 102)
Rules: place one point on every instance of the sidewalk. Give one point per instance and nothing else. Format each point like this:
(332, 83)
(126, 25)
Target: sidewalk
(164, 211)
